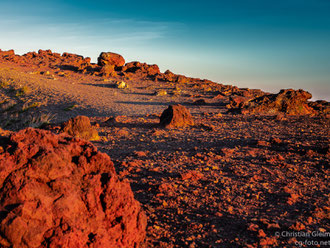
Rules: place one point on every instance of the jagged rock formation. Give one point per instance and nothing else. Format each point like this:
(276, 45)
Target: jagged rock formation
(46, 58)
(57, 191)
(288, 101)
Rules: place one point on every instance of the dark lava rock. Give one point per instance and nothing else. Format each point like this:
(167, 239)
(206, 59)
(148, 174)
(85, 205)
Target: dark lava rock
(176, 116)
(58, 191)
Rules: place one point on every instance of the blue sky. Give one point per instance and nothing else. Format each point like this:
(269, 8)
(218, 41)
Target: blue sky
(263, 44)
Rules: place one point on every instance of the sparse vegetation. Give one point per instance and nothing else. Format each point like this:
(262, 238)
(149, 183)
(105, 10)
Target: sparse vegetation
(22, 91)
(27, 106)
(4, 83)
(71, 107)
(40, 120)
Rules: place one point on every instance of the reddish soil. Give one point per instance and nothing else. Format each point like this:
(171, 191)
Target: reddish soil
(229, 180)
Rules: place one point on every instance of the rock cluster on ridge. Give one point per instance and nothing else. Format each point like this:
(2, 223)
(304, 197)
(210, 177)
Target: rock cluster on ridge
(288, 101)
(57, 191)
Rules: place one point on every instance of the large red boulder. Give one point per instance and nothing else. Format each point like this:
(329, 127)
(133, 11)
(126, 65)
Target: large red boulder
(108, 58)
(58, 191)
(176, 116)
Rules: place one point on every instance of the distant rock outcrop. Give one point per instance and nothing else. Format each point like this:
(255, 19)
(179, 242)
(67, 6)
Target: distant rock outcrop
(108, 58)
(141, 70)
(57, 191)
(46, 58)
(176, 116)
(80, 127)
(288, 101)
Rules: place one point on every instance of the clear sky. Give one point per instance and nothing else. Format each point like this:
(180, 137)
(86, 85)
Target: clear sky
(267, 44)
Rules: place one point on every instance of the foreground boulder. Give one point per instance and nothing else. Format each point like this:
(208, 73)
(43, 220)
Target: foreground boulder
(176, 116)
(57, 191)
(80, 127)
(289, 101)
(108, 58)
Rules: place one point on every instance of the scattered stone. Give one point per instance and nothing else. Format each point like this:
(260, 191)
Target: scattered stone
(207, 127)
(275, 141)
(80, 127)
(192, 175)
(199, 102)
(176, 116)
(227, 151)
(140, 153)
(57, 191)
(121, 85)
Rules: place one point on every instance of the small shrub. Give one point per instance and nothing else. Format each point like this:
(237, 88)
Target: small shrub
(4, 83)
(71, 107)
(40, 120)
(22, 91)
(33, 105)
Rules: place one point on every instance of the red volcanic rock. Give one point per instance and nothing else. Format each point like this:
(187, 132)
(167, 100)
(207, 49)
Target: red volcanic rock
(182, 79)
(48, 58)
(141, 70)
(227, 151)
(291, 102)
(192, 175)
(57, 191)
(75, 61)
(8, 53)
(169, 76)
(237, 101)
(80, 127)
(152, 69)
(176, 116)
(107, 70)
(320, 106)
(45, 52)
(108, 58)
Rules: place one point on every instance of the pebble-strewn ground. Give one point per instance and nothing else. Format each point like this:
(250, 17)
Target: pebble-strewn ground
(233, 181)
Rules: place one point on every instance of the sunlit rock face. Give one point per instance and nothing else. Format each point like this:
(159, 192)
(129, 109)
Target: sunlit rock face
(59, 191)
